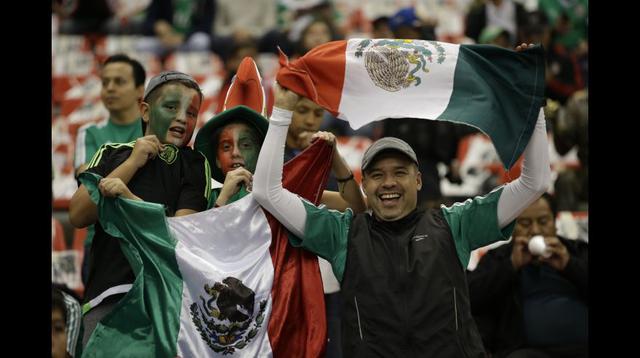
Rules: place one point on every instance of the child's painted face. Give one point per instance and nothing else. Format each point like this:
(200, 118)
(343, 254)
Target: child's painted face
(173, 116)
(238, 147)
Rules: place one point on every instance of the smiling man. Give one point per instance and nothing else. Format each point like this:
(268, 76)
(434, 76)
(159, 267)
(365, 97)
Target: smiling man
(158, 167)
(401, 270)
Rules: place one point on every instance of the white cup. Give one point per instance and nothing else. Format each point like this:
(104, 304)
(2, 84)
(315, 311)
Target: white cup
(537, 247)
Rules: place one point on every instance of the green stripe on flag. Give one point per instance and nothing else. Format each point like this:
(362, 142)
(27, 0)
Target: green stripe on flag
(501, 96)
(146, 322)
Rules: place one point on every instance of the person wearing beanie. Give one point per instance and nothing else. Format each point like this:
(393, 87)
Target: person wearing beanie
(158, 167)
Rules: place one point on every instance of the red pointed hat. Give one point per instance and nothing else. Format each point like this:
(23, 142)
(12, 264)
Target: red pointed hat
(245, 101)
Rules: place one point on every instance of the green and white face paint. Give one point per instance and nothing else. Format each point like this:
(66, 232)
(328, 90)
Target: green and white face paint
(173, 116)
(238, 146)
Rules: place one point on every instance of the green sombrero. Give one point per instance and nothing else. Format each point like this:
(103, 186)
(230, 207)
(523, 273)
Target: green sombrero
(245, 101)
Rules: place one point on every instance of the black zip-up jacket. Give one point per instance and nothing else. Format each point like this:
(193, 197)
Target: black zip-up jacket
(495, 296)
(405, 291)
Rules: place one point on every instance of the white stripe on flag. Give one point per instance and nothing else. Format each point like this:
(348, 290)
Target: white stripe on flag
(244, 236)
(430, 98)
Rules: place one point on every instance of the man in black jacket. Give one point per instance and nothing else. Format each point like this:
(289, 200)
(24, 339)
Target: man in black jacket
(533, 306)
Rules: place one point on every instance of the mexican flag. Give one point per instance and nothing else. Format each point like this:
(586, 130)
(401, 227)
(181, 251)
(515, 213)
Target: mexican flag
(223, 282)
(496, 90)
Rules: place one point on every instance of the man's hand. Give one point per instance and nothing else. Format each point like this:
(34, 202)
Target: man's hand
(112, 187)
(232, 183)
(284, 98)
(559, 254)
(520, 255)
(523, 46)
(145, 148)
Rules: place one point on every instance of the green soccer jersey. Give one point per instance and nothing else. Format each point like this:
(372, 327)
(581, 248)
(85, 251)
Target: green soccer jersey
(92, 136)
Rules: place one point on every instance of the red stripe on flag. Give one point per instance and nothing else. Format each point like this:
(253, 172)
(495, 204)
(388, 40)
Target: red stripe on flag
(298, 327)
(318, 75)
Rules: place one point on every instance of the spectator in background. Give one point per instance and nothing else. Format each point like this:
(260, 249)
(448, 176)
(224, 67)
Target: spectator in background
(530, 305)
(298, 16)
(58, 325)
(307, 117)
(381, 29)
(80, 17)
(576, 16)
(446, 16)
(123, 81)
(310, 31)
(507, 14)
(242, 21)
(238, 51)
(122, 89)
(565, 62)
(183, 25)
(405, 24)
(66, 323)
(536, 29)
(494, 35)
(570, 129)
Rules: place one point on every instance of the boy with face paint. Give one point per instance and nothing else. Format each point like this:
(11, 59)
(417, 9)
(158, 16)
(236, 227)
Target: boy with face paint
(233, 148)
(158, 167)
(233, 138)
